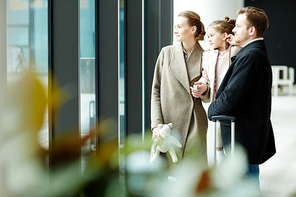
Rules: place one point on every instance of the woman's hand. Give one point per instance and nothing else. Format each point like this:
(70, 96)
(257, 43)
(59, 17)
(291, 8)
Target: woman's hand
(155, 133)
(198, 89)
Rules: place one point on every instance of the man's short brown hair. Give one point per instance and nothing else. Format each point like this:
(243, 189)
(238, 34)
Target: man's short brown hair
(256, 17)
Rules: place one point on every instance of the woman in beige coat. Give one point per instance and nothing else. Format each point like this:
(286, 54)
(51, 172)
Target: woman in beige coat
(177, 68)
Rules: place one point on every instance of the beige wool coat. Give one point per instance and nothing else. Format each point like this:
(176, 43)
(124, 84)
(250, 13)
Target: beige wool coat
(210, 58)
(172, 102)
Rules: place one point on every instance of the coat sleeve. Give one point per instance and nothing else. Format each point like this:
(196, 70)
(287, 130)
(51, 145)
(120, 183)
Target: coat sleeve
(156, 113)
(239, 85)
(205, 97)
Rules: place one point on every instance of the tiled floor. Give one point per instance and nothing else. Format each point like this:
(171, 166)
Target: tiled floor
(278, 174)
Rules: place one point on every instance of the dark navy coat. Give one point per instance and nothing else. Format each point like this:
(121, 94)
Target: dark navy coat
(245, 93)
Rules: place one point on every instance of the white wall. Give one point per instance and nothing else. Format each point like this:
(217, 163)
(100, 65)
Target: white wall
(209, 10)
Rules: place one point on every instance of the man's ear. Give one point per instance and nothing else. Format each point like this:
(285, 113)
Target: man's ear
(252, 31)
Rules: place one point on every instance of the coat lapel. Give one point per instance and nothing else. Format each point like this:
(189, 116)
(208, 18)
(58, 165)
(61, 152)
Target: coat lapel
(240, 52)
(178, 66)
(194, 63)
(186, 73)
(215, 58)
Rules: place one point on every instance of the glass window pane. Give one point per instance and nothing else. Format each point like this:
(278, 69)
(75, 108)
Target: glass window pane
(27, 45)
(18, 35)
(87, 72)
(17, 12)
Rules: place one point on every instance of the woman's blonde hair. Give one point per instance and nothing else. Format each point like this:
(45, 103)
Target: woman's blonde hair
(194, 20)
(223, 26)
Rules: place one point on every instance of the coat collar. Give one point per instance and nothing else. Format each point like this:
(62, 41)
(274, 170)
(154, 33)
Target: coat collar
(232, 52)
(250, 46)
(215, 53)
(186, 72)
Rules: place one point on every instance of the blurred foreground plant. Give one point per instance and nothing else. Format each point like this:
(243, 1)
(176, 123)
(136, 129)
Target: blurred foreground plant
(23, 168)
(23, 172)
(191, 179)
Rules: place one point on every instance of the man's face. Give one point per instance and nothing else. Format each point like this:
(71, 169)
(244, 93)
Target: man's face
(242, 30)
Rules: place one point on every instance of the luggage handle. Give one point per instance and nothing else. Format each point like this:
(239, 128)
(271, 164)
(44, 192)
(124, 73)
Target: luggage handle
(232, 119)
(223, 117)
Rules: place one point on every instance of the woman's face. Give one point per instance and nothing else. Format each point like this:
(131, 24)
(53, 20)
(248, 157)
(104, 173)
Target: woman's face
(183, 32)
(216, 38)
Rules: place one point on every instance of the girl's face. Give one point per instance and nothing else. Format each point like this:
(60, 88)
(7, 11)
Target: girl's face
(183, 32)
(216, 39)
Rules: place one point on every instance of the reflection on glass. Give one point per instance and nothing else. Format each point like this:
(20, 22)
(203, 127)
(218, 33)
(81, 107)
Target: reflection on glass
(121, 91)
(121, 80)
(27, 44)
(87, 72)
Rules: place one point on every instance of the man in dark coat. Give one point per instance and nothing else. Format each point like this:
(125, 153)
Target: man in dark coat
(245, 92)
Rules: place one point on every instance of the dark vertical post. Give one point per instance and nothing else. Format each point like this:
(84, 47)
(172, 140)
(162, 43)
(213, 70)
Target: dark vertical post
(133, 66)
(107, 58)
(64, 67)
(158, 33)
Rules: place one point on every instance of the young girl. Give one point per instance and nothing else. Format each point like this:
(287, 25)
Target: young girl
(216, 62)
